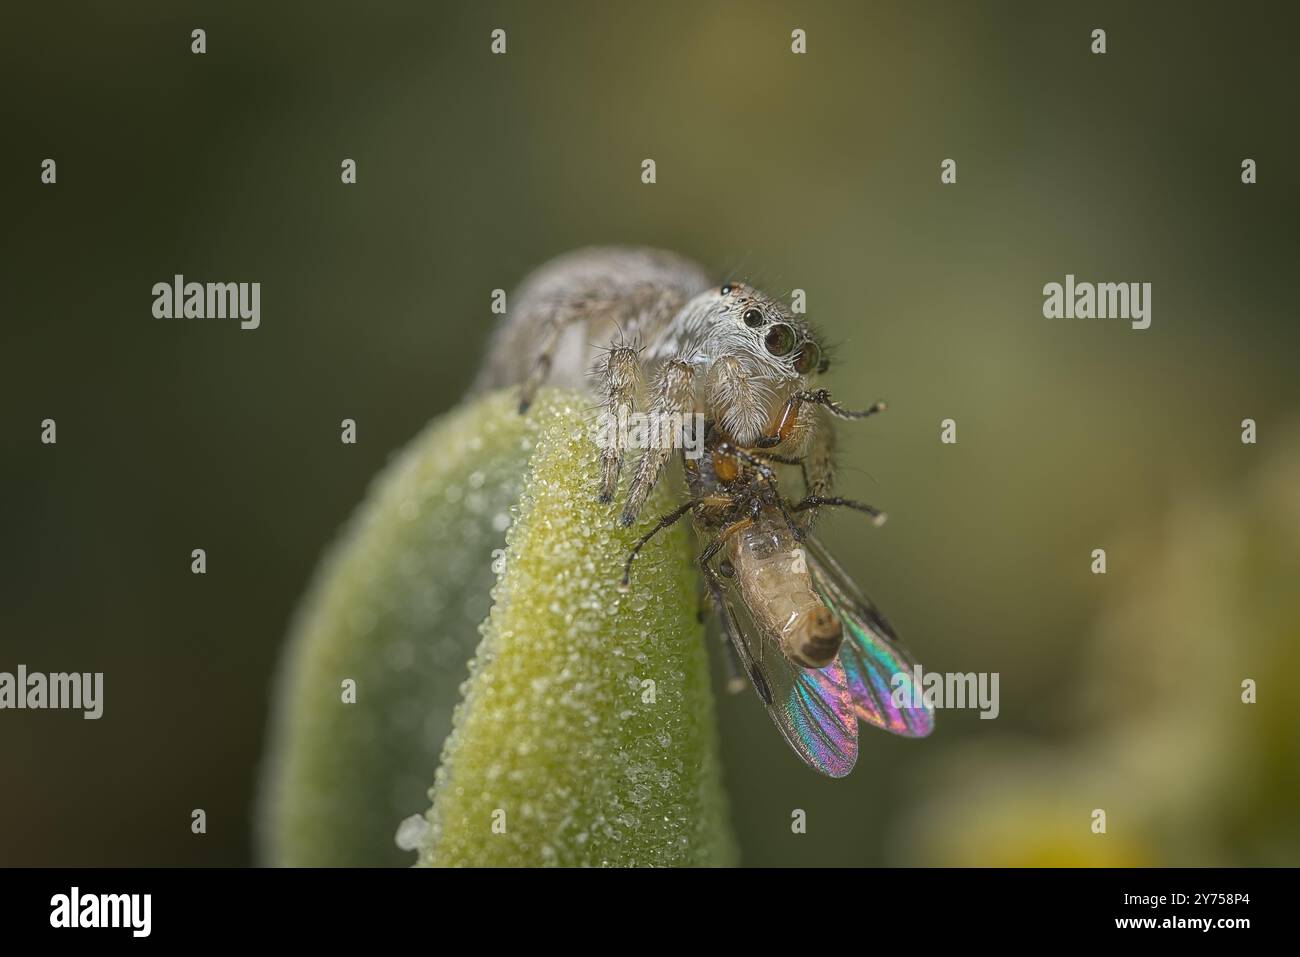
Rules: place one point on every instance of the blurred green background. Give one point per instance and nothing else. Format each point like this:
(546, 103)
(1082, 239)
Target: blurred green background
(819, 172)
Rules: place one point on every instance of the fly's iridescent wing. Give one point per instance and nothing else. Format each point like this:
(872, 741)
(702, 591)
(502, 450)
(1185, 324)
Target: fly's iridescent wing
(813, 709)
(877, 667)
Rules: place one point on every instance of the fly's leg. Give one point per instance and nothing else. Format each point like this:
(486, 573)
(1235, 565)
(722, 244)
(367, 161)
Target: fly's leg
(788, 460)
(712, 549)
(734, 679)
(818, 501)
(719, 540)
(666, 521)
(674, 400)
(621, 374)
(757, 463)
(702, 612)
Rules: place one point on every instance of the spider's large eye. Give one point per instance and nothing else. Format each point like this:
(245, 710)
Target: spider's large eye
(753, 318)
(808, 359)
(780, 339)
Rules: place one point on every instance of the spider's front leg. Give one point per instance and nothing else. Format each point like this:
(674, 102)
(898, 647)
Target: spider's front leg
(620, 381)
(819, 456)
(674, 400)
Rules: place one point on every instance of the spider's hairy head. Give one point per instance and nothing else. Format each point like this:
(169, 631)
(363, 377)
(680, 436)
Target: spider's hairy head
(757, 353)
(777, 344)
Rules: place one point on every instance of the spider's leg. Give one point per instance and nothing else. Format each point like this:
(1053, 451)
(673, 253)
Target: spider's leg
(621, 373)
(818, 501)
(664, 522)
(674, 400)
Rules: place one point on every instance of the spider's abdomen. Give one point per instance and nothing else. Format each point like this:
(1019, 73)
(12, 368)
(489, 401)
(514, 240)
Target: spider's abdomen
(598, 295)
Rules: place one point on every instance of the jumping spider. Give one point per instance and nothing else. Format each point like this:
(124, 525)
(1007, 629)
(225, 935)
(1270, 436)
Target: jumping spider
(727, 350)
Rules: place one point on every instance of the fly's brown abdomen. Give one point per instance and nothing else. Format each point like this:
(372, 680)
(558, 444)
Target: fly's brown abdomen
(772, 574)
(819, 637)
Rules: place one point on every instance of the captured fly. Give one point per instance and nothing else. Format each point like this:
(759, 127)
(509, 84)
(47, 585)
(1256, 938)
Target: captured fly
(819, 654)
(816, 696)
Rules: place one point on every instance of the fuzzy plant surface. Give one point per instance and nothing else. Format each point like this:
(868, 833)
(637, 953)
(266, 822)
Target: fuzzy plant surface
(584, 731)
(394, 607)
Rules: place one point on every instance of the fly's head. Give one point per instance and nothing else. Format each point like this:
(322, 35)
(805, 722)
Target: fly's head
(757, 353)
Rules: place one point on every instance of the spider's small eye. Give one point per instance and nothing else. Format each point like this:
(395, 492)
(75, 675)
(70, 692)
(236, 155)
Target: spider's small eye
(808, 359)
(725, 290)
(753, 318)
(780, 339)
(824, 364)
